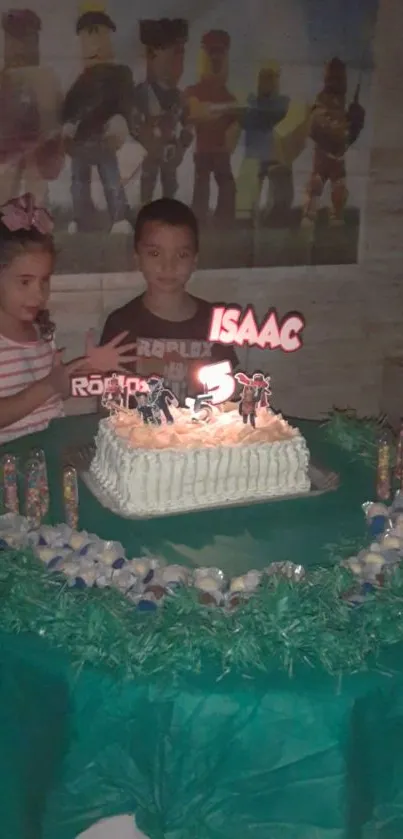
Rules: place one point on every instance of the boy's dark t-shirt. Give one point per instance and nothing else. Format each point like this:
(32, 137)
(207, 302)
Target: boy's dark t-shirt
(173, 349)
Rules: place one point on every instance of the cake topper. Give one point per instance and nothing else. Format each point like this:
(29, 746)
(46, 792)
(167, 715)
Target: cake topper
(260, 383)
(85, 387)
(153, 400)
(159, 399)
(145, 410)
(232, 325)
(218, 381)
(112, 397)
(201, 407)
(254, 395)
(247, 405)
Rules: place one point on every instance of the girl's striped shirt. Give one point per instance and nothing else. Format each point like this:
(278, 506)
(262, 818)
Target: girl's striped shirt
(20, 366)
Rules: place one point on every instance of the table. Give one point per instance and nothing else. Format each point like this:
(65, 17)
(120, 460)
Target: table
(236, 540)
(301, 756)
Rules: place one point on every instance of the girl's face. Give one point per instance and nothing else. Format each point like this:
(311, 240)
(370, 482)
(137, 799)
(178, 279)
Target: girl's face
(25, 285)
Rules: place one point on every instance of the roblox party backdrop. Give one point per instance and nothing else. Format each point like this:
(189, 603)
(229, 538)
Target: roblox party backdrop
(257, 114)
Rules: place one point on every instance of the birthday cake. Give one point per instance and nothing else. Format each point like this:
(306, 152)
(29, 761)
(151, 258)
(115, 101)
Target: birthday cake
(189, 465)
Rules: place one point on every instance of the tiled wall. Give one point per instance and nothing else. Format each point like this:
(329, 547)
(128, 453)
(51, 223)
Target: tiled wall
(354, 314)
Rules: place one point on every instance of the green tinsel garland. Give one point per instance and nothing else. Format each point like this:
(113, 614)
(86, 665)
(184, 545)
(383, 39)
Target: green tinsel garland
(282, 624)
(358, 437)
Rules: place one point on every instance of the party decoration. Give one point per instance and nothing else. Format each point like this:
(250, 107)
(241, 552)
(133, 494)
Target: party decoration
(218, 381)
(70, 495)
(261, 385)
(286, 569)
(377, 516)
(232, 325)
(36, 486)
(86, 387)
(155, 405)
(383, 475)
(373, 566)
(112, 397)
(247, 406)
(33, 502)
(399, 459)
(358, 437)
(201, 407)
(255, 392)
(9, 473)
(270, 620)
(151, 397)
(152, 617)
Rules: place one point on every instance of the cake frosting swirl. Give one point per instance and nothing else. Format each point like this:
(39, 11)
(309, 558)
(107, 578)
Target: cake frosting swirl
(187, 466)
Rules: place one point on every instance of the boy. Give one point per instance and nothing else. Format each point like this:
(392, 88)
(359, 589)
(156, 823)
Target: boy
(169, 325)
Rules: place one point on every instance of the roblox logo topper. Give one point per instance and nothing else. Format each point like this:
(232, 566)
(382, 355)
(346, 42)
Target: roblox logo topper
(96, 385)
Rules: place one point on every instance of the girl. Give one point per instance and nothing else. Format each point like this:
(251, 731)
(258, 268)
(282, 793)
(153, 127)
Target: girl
(33, 378)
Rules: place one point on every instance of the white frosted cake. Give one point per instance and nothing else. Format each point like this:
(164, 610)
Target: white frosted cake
(150, 470)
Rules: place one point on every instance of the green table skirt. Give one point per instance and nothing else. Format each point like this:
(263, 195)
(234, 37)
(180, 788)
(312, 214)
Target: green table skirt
(307, 757)
(299, 756)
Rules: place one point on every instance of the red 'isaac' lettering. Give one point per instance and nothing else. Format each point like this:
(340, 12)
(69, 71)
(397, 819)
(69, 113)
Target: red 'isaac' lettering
(232, 326)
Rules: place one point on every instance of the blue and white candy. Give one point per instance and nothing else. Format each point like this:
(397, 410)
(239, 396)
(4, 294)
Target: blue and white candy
(378, 518)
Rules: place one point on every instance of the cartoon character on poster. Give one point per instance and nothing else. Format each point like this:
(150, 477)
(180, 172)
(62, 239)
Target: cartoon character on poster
(160, 115)
(159, 399)
(334, 129)
(96, 117)
(254, 395)
(276, 130)
(31, 150)
(213, 111)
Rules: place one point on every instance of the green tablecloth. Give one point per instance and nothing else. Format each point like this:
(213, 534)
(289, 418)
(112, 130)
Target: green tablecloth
(234, 539)
(273, 757)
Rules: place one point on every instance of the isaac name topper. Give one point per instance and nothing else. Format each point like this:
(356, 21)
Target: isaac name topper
(232, 325)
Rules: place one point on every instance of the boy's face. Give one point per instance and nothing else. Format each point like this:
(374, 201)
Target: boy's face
(166, 257)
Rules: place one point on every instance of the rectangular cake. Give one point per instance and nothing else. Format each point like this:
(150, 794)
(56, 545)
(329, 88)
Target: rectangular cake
(186, 466)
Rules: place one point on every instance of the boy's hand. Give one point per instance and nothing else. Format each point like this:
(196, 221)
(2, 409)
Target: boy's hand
(111, 357)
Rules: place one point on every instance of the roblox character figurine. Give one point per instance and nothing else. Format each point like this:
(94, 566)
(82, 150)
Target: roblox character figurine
(159, 116)
(145, 410)
(31, 150)
(261, 384)
(213, 111)
(112, 398)
(247, 405)
(254, 395)
(159, 399)
(334, 129)
(96, 117)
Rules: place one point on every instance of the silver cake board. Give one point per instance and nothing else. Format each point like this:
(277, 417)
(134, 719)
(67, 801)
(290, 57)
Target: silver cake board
(322, 481)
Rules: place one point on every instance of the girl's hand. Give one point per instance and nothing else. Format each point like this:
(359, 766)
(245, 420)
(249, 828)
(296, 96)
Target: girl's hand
(111, 357)
(59, 376)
